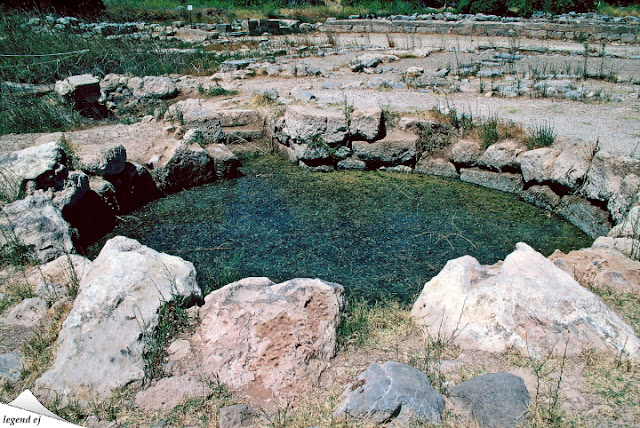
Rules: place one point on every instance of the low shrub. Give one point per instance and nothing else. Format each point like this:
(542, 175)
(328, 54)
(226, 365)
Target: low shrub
(34, 113)
(62, 7)
(172, 319)
(489, 131)
(45, 57)
(541, 135)
(524, 7)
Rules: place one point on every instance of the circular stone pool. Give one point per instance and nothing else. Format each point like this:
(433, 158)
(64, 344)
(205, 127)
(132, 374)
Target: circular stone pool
(379, 234)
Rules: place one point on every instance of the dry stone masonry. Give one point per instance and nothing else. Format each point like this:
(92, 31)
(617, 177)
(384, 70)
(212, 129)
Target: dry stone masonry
(564, 27)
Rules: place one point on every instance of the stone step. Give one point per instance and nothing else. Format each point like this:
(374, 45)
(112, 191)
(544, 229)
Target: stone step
(238, 117)
(241, 134)
(396, 148)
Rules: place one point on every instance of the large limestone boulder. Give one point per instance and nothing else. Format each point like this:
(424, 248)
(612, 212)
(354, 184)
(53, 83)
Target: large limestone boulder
(366, 124)
(113, 81)
(391, 393)
(590, 218)
(397, 148)
(10, 367)
(502, 156)
(103, 161)
(78, 85)
(132, 188)
(157, 87)
(75, 187)
(142, 142)
(310, 152)
(629, 227)
(303, 124)
(537, 165)
(225, 162)
(58, 278)
(83, 89)
(465, 153)
(106, 190)
(352, 164)
(541, 196)
(607, 173)
(37, 167)
(233, 118)
(37, 224)
(601, 267)
(566, 167)
(571, 166)
(168, 392)
(525, 302)
(195, 114)
(102, 340)
(436, 166)
(624, 198)
(264, 338)
(153, 150)
(27, 313)
(630, 247)
(184, 165)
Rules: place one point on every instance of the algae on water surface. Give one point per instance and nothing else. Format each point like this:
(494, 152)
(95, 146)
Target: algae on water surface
(379, 234)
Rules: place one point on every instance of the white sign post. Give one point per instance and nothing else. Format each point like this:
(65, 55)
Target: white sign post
(190, 8)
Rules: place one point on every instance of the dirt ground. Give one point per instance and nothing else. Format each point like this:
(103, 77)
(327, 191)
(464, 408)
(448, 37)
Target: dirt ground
(614, 121)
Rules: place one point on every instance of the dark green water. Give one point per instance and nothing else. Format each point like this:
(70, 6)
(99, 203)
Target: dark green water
(378, 234)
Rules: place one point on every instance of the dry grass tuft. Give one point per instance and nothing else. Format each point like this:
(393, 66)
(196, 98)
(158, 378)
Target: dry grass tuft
(40, 350)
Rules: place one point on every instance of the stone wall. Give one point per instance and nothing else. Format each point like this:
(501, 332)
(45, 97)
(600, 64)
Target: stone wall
(591, 188)
(594, 31)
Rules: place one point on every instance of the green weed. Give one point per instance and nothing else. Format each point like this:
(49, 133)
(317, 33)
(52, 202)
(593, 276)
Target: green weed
(390, 117)
(489, 131)
(216, 91)
(72, 412)
(34, 113)
(223, 271)
(14, 252)
(264, 99)
(615, 382)
(347, 108)
(354, 328)
(16, 293)
(633, 9)
(367, 323)
(10, 186)
(96, 55)
(172, 319)
(545, 409)
(436, 348)
(541, 135)
(39, 351)
(44, 58)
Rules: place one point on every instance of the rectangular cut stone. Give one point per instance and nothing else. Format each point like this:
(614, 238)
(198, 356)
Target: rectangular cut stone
(541, 196)
(592, 220)
(436, 166)
(505, 182)
(628, 38)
